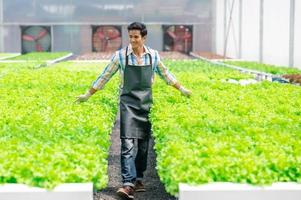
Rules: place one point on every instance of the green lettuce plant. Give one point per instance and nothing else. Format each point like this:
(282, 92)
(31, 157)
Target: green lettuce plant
(40, 56)
(45, 138)
(225, 132)
(273, 69)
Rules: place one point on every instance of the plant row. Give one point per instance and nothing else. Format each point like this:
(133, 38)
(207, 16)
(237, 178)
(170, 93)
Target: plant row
(40, 56)
(225, 132)
(277, 70)
(4, 55)
(45, 137)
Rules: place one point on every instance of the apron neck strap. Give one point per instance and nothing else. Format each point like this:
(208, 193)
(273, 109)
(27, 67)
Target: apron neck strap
(127, 60)
(126, 56)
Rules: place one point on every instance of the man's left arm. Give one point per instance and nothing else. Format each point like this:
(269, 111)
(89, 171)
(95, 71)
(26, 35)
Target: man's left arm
(163, 72)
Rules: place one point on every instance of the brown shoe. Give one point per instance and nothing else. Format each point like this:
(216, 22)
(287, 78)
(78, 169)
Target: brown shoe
(139, 187)
(126, 192)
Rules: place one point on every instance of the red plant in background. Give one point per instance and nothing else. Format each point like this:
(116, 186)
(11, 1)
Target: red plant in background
(293, 78)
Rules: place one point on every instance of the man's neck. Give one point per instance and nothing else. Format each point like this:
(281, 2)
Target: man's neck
(138, 51)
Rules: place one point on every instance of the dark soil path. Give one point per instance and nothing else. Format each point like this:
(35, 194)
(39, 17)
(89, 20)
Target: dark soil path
(154, 188)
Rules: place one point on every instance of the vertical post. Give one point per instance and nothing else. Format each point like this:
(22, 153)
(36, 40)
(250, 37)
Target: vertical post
(71, 29)
(228, 29)
(1, 27)
(213, 27)
(51, 34)
(194, 27)
(240, 30)
(1, 12)
(261, 13)
(225, 24)
(292, 33)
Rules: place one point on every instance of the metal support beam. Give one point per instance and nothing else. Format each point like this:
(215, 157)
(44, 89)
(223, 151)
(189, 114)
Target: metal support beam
(1, 12)
(228, 28)
(225, 24)
(292, 33)
(261, 13)
(1, 27)
(213, 26)
(52, 39)
(240, 31)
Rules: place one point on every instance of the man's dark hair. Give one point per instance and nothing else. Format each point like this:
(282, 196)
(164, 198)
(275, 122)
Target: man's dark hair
(138, 26)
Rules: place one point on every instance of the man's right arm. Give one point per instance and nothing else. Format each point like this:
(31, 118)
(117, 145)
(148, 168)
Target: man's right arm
(102, 79)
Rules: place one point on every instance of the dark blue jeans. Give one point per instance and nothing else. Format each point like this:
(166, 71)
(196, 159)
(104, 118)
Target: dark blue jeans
(132, 167)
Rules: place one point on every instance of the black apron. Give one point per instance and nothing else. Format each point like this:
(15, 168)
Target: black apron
(136, 101)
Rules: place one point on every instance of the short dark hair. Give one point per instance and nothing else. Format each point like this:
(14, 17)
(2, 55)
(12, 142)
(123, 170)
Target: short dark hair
(138, 26)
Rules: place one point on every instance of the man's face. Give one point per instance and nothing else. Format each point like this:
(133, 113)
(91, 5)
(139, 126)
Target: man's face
(136, 40)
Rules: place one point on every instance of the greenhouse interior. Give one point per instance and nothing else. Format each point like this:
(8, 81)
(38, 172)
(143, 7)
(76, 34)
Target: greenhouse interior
(220, 104)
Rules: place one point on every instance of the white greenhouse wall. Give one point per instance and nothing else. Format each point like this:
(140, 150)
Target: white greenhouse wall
(12, 39)
(250, 30)
(276, 32)
(219, 27)
(297, 42)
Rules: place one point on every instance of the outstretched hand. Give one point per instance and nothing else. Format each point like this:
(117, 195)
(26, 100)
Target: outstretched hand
(81, 98)
(185, 92)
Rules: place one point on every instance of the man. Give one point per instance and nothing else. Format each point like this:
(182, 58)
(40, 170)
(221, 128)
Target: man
(136, 64)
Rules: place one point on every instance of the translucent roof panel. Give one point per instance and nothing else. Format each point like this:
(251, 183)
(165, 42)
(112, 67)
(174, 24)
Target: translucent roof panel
(107, 11)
